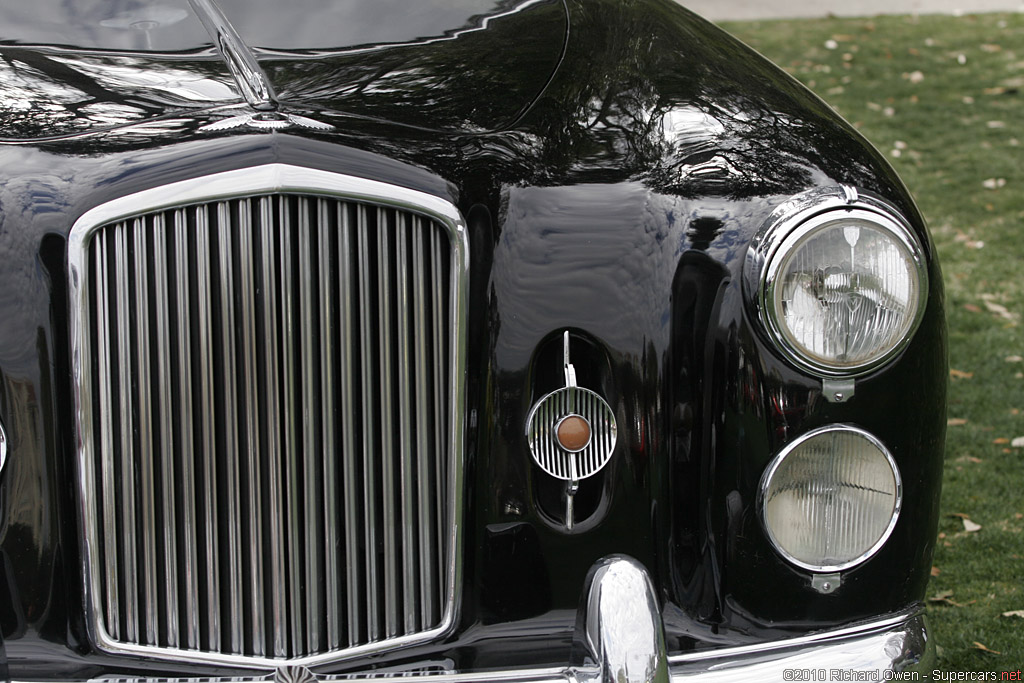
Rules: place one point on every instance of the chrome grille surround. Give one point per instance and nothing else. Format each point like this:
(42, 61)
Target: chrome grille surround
(387, 624)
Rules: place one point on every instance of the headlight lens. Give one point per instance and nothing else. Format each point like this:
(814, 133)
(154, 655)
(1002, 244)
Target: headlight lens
(830, 499)
(844, 290)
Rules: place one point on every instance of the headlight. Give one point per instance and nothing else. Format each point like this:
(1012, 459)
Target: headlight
(843, 282)
(830, 499)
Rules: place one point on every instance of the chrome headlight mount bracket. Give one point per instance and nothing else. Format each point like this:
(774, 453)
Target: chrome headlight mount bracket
(800, 216)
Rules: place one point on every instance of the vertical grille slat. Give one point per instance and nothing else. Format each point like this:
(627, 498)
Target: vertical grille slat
(272, 448)
(272, 395)
(230, 433)
(387, 427)
(168, 486)
(311, 447)
(406, 457)
(347, 283)
(183, 323)
(421, 402)
(332, 543)
(254, 484)
(292, 424)
(367, 404)
(208, 439)
(127, 460)
(108, 471)
(144, 414)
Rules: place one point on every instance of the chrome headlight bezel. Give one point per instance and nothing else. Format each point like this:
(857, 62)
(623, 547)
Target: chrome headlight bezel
(773, 467)
(3, 448)
(788, 227)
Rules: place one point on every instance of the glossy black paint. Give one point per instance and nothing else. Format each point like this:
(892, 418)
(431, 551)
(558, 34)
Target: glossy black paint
(618, 207)
(70, 68)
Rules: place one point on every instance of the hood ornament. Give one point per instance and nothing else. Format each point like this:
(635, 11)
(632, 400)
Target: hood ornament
(251, 80)
(241, 62)
(571, 433)
(265, 121)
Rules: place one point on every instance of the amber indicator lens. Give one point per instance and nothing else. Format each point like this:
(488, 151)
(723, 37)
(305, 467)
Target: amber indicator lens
(573, 433)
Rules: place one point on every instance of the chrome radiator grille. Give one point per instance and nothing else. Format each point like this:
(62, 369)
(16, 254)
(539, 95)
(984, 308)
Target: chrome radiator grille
(267, 425)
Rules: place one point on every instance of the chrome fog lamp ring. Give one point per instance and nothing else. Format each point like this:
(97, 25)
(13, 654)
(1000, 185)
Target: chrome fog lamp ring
(839, 281)
(830, 499)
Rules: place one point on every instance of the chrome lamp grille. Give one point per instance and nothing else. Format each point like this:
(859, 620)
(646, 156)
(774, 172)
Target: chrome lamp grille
(269, 392)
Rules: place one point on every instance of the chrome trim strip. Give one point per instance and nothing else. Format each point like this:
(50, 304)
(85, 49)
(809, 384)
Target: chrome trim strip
(221, 187)
(781, 456)
(899, 643)
(815, 639)
(548, 675)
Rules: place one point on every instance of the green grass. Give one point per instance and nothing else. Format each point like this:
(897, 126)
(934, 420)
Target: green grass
(943, 98)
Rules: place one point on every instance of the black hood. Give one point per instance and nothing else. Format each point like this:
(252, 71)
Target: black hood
(68, 68)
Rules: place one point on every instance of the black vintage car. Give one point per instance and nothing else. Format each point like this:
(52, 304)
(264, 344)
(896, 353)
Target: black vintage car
(461, 340)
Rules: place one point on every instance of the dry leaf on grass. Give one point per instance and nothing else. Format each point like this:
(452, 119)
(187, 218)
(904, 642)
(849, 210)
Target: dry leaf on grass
(999, 310)
(936, 571)
(946, 598)
(1015, 613)
(979, 646)
(956, 421)
(960, 374)
(970, 526)
(1018, 442)
(1000, 440)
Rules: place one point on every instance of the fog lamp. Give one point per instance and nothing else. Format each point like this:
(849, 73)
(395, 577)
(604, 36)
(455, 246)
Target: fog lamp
(831, 498)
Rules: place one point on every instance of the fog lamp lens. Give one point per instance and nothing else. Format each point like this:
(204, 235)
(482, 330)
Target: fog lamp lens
(831, 498)
(846, 290)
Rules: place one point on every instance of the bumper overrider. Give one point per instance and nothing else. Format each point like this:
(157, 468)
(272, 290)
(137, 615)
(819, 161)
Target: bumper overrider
(619, 638)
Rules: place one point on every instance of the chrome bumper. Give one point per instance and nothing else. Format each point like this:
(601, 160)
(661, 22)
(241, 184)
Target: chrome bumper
(619, 639)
